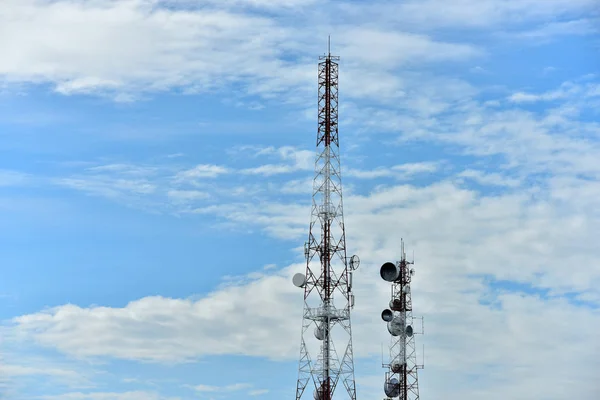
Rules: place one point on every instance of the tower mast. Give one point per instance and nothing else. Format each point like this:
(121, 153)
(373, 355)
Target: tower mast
(328, 270)
(401, 380)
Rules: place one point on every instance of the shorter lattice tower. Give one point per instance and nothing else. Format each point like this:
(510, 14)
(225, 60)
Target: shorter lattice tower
(401, 379)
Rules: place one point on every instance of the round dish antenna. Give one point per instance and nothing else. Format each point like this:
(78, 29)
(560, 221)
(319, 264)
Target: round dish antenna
(396, 368)
(396, 304)
(319, 333)
(299, 280)
(395, 326)
(389, 272)
(354, 262)
(392, 388)
(387, 315)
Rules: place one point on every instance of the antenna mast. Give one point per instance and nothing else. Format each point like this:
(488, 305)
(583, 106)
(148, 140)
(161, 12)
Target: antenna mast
(401, 378)
(328, 270)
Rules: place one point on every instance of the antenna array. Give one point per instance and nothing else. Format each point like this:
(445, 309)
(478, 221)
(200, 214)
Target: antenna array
(401, 380)
(328, 270)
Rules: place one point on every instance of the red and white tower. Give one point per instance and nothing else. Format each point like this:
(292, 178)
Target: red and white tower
(401, 380)
(327, 283)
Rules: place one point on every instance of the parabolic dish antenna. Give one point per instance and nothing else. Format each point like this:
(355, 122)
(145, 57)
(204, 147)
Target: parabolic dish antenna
(299, 280)
(389, 272)
(354, 262)
(387, 315)
(395, 326)
(392, 388)
(319, 333)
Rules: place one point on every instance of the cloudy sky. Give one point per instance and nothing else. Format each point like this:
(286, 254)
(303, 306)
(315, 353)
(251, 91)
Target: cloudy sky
(155, 168)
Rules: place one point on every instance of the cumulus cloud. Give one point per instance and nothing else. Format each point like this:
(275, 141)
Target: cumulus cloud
(459, 237)
(465, 241)
(127, 47)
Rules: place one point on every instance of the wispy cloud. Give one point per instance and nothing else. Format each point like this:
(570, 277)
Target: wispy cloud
(258, 392)
(201, 171)
(134, 395)
(402, 171)
(229, 388)
(562, 28)
(13, 178)
(494, 179)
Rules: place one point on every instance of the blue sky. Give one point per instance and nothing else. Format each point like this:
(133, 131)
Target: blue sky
(155, 173)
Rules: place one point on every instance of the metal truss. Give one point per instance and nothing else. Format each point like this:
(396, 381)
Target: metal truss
(328, 269)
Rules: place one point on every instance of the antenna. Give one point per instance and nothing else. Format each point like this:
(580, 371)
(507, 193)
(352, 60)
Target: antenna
(401, 378)
(329, 271)
(329, 44)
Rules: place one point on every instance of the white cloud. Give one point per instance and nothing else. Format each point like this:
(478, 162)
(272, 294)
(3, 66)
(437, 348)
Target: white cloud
(565, 91)
(146, 46)
(285, 221)
(475, 14)
(548, 31)
(124, 169)
(298, 160)
(258, 392)
(13, 178)
(136, 395)
(494, 179)
(402, 171)
(229, 388)
(297, 186)
(389, 50)
(184, 196)
(454, 232)
(201, 171)
(10, 370)
(109, 187)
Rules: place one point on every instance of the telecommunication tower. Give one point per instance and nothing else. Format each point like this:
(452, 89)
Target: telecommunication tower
(328, 270)
(401, 379)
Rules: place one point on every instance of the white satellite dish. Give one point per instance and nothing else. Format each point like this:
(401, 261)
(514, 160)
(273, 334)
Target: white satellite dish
(354, 262)
(299, 280)
(319, 332)
(396, 367)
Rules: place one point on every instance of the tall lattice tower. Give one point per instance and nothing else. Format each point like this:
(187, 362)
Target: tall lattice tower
(401, 378)
(327, 283)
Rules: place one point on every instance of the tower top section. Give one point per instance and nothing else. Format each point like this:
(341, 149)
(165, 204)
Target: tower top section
(328, 56)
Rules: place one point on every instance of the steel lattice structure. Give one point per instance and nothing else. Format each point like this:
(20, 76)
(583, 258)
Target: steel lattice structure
(401, 378)
(328, 270)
